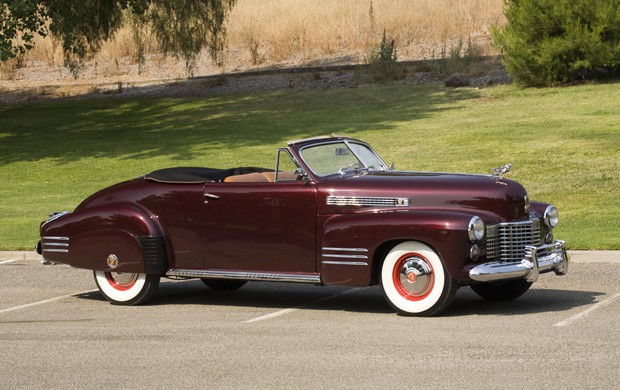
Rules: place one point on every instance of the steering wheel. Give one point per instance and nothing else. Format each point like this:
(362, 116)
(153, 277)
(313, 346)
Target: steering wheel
(353, 166)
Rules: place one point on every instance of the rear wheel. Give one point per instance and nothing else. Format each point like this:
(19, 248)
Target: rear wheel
(502, 291)
(223, 284)
(126, 288)
(415, 280)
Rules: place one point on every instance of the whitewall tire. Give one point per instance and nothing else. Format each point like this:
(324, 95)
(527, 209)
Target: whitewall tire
(126, 288)
(415, 280)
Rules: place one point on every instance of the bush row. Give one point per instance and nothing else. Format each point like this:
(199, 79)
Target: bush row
(550, 42)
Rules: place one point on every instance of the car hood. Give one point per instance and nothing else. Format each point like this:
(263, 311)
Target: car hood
(488, 194)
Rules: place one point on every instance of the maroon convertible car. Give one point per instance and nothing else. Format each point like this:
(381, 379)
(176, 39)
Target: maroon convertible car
(332, 212)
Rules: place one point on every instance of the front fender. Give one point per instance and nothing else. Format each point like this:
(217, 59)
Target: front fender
(128, 231)
(366, 234)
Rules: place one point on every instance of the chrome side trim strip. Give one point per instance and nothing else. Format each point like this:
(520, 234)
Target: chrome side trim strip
(346, 256)
(345, 249)
(344, 262)
(367, 201)
(45, 244)
(246, 275)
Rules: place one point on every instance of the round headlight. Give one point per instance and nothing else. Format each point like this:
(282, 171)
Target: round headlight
(551, 216)
(476, 229)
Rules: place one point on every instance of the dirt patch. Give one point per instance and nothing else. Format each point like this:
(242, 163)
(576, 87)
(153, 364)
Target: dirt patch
(485, 72)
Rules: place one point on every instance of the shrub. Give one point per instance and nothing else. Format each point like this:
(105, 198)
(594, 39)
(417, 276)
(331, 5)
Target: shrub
(383, 62)
(458, 58)
(550, 42)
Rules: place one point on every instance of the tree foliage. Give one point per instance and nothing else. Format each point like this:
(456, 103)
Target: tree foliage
(549, 42)
(182, 27)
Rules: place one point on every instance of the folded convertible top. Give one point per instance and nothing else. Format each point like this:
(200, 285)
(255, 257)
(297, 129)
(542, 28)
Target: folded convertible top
(189, 175)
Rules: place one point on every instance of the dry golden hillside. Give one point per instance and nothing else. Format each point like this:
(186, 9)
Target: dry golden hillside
(282, 33)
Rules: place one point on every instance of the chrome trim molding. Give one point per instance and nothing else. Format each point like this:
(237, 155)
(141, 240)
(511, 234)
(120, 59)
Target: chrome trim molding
(56, 250)
(552, 257)
(331, 262)
(245, 275)
(345, 256)
(319, 138)
(57, 247)
(55, 244)
(367, 201)
(354, 252)
(345, 249)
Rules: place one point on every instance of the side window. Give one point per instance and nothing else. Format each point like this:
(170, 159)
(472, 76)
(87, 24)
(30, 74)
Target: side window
(286, 167)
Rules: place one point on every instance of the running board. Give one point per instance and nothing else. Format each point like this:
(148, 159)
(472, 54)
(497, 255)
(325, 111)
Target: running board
(245, 275)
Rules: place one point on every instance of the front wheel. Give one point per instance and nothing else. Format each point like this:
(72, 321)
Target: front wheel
(126, 288)
(415, 280)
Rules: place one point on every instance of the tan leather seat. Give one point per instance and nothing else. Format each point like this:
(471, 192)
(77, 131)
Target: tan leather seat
(255, 177)
(270, 176)
(281, 176)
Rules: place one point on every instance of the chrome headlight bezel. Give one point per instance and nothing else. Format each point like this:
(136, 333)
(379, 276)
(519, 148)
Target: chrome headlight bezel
(551, 217)
(476, 229)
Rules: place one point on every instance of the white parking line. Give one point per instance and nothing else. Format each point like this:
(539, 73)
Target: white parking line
(293, 309)
(7, 261)
(27, 305)
(588, 311)
(44, 301)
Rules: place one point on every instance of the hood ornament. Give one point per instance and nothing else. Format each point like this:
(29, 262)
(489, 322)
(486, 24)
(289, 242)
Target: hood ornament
(499, 171)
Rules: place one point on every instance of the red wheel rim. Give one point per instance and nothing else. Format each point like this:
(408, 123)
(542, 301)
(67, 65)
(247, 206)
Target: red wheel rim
(121, 281)
(413, 276)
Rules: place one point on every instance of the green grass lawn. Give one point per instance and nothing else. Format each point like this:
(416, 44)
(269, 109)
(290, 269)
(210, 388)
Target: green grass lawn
(563, 144)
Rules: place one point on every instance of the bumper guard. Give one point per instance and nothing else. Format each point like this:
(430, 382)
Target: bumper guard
(529, 268)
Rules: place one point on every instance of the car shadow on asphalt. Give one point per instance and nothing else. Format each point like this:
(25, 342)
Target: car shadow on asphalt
(362, 300)
(533, 301)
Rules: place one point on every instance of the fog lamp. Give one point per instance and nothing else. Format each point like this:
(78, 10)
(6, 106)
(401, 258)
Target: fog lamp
(549, 238)
(474, 252)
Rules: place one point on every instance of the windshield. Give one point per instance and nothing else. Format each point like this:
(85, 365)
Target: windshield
(341, 157)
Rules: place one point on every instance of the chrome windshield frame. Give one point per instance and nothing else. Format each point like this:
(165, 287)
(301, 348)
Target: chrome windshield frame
(384, 168)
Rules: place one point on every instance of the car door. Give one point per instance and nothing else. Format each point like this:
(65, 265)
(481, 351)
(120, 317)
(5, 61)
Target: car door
(260, 226)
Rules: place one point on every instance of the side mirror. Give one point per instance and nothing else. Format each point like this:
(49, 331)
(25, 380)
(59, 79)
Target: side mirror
(300, 174)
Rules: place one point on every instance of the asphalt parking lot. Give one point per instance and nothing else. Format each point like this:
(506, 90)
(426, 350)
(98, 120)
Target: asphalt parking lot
(56, 331)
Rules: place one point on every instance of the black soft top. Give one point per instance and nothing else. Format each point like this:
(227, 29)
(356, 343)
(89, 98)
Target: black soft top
(191, 175)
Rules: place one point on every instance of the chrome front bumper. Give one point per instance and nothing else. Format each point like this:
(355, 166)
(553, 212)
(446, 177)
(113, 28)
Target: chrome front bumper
(555, 259)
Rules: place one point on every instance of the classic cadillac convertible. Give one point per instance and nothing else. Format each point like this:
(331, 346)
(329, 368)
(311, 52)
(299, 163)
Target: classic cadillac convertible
(331, 212)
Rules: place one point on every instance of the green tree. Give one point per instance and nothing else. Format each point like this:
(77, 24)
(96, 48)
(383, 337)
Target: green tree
(549, 42)
(182, 27)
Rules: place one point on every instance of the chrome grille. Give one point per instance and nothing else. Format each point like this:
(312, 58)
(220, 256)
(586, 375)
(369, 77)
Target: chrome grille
(507, 241)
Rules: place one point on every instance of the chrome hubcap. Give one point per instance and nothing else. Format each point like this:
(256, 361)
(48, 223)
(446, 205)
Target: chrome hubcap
(416, 276)
(121, 281)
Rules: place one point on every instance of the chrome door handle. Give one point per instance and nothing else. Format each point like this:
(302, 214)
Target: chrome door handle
(208, 196)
